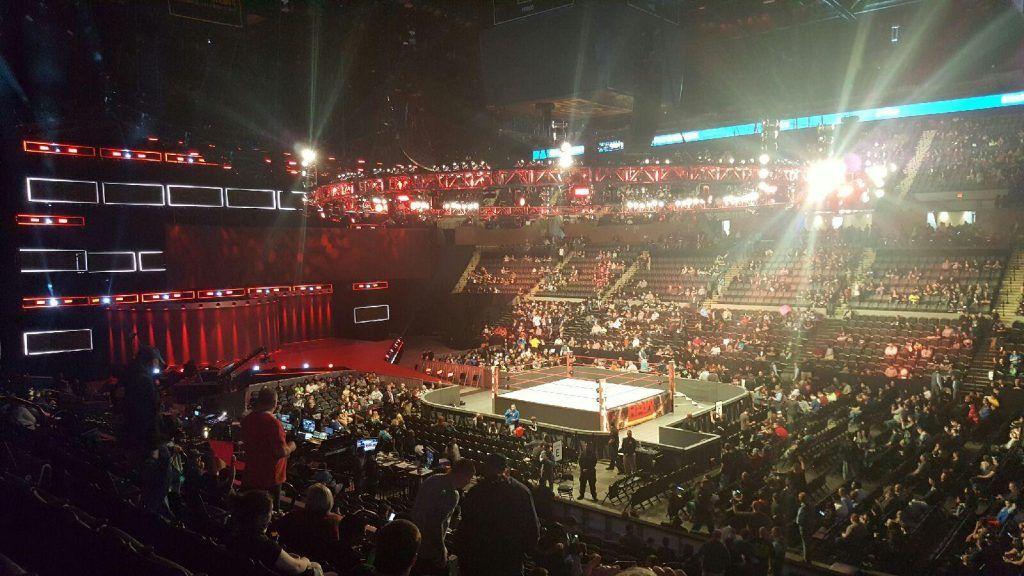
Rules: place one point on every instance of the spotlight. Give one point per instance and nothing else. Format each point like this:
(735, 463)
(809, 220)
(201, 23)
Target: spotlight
(305, 365)
(824, 177)
(105, 300)
(764, 159)
(566, 148)
(156, 370)
(52, 302)
(763, 173)
(565, 161)
(308, 156)
(256, 368)
(330, 365)
(877, 174)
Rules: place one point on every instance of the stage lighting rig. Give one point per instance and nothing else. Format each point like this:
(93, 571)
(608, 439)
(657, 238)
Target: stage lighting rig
(308, 156)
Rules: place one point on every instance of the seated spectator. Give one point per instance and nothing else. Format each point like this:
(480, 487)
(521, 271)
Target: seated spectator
(311, 529)
(397, 545)
(251, 518)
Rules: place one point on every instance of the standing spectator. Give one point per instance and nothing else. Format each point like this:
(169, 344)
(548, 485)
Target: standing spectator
(266, 449)
(588, 471)
(548, 467)
(714, 556)
(803, 522)
(436, 501)
(499, 523)
(629, 446)
(704, 508)
(613, 445)
(511, 418)
(778, 558)
(141, 404)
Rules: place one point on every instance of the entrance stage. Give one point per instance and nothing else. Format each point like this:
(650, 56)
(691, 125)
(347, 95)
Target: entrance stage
(329, 354)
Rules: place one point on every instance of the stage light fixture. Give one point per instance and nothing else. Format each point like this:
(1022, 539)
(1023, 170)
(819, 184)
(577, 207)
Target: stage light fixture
(877, 174)
(308, 156)
(764, 159)
(305, 365)
(824, 177)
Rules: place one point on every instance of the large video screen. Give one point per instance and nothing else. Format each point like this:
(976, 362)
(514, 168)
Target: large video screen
(364, 314)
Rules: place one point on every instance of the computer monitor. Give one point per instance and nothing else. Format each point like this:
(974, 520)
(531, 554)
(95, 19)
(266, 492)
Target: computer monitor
(366, 444)
(328, 431)
(286, 418)
(308, 425)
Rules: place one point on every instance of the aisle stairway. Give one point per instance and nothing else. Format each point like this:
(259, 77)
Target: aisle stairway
(461, 284)
(867, 260)
(626, 276)
(976, 379)
(1009, 297)
(924, 144)
(726, 278)
(554, 272)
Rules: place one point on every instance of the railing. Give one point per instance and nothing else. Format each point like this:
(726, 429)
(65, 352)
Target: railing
(461, 374)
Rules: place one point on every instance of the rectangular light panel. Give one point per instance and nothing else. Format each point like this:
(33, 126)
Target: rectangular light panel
(367, 314)
(59, 190)
(112, 262)
(291, 200)
(133, 194)
(55, 148)
(43, 342)
(43, 260)
(250, 198)
(49, 220)
(126, 154)
(151, 261)
(185, 196)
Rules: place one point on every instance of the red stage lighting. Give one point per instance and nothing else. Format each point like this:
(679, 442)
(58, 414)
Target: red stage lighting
(116, 299)
(126, 154)
(53, 301)
(222, 293)
(55, 148)
(169, 296)
(269, 290)
(313, 289)
(375, 285)
(190, 158)
(49, 220)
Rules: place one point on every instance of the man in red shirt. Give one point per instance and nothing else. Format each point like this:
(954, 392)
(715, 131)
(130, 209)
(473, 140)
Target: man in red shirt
(266, 448)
